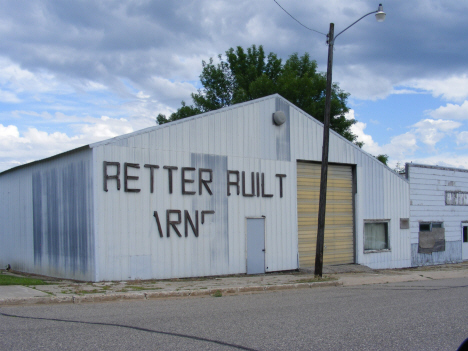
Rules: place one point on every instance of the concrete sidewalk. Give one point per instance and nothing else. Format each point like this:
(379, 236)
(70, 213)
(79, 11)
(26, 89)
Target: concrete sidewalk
(66, 291)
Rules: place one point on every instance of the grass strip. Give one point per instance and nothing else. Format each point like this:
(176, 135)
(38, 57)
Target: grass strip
(11, 280)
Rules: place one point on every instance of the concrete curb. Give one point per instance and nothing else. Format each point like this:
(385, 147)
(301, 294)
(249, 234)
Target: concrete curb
(77, 299)
(36, 300)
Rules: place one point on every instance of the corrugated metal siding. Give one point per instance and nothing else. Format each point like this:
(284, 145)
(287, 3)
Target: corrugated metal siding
(339, 226)
(47, 217)
(428, 185)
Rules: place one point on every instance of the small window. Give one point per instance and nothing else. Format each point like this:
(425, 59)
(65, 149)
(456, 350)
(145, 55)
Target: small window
(428, 226)
(424, 227)
(376, 236)
(465, 234)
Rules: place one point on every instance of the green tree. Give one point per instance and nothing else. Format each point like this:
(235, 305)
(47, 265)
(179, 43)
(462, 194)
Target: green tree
(246, 75)
(183, 112)
(382, 158)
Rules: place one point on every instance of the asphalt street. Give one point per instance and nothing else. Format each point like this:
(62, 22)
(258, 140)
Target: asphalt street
(422, 315)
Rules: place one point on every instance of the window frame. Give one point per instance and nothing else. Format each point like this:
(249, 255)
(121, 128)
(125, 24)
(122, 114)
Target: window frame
(431, 225)
(377, 221)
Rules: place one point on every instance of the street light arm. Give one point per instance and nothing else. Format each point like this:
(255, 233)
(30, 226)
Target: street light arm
(370, 13)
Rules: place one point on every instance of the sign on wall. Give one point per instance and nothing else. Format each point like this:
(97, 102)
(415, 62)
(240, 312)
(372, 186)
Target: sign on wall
(193, 182)
(456, 198)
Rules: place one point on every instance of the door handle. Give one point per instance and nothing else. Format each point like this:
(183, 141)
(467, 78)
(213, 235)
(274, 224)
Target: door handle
(263, 250)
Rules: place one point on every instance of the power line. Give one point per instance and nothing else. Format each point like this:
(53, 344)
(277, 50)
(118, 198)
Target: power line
(313, 30)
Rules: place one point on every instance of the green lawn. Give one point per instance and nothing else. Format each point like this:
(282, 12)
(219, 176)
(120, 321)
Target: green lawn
(10, 280)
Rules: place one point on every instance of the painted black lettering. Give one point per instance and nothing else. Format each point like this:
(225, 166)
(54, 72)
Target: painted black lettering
(281, 176)
(169, 171)
(129, 177)
(258, 184)
(173, 224)
(263, 187)
(229, 183)
(203, 213)
(189, 220)
(151, 167)
(155, 214)
(204, 181)
(252, 182)
(185, 180)
(115, 176)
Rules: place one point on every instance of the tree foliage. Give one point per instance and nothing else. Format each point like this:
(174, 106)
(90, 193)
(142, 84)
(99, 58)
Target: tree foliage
(382, 158)
(246, 75)
(182, 112)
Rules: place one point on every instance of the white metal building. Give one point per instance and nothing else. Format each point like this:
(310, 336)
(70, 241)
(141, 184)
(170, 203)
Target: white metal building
(439, 214)
(229, 191)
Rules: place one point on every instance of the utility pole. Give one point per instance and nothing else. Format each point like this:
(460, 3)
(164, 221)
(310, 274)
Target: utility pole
(324, 169)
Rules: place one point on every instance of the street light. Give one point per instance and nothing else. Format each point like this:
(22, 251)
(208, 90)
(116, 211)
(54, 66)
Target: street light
(380, 16)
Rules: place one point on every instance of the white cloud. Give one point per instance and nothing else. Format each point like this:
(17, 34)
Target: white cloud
(105, 129)
(19, 80)
(350, 114)
(439, 124)
(369, 144)
(364, 83)
(142, 95)
(34, 144)
(40, 138)
(399, 148)
(357, 128)
(8, 97)
(94, 86)
(462, 138)
(431, 131)
(171, 90)
(7, 134)
(402, 91)
(451, 111)
(402, 148)
(454, 88)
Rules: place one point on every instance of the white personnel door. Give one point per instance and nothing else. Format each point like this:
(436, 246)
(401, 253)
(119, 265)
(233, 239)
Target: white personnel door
(255, 245)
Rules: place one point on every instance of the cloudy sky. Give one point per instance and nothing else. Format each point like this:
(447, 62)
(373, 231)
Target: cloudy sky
(75, 72)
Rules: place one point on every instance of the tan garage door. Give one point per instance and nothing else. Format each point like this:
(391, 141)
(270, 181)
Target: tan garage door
(339, 239)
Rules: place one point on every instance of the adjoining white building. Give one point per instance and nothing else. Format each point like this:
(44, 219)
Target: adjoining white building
(226, 192)
(439, 214)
